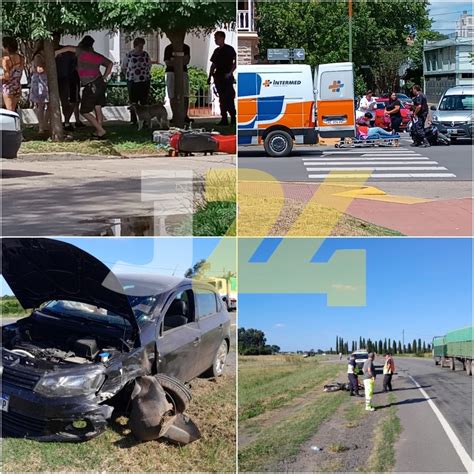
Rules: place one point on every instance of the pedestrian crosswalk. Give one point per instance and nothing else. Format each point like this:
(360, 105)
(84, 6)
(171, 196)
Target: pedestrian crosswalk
(381, 163)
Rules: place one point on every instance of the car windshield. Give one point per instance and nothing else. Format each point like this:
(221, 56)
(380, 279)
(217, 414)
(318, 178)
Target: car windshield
(457, 102)
(142, 307)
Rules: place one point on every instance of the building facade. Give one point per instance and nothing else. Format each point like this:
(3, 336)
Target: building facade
(247, 35)
(446, 63)
(465, 26)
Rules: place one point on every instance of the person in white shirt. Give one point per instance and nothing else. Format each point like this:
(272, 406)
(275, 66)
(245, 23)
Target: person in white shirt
(368, 104)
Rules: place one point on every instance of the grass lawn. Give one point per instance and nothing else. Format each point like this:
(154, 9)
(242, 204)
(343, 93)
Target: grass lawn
(386, 435)
(212, 409)
(281, 405)
(122, 139)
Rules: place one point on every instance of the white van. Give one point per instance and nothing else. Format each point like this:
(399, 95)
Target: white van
(454, 113)
(283, 104)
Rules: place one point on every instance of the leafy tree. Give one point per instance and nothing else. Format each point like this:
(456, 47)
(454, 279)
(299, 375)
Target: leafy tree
(424, 346)
(198, 269)
(419, 345)
(394, 347)
(275, 349)
(337, 343)
(321, 28)
(252, 342)
(31, 21)
(409, 349)
(175, 20)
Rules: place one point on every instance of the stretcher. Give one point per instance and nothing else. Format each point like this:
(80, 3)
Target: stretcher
(362, 143)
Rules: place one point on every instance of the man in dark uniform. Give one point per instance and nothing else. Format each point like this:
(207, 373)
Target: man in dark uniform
(224, 63)
(420, 113)
(352, 372)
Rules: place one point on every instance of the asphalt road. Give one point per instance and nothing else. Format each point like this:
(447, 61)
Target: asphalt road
(76, 195)
(424, 445)
(423, 172)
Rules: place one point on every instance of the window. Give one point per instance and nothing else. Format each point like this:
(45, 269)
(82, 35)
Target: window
(207, 302)
(180, 312)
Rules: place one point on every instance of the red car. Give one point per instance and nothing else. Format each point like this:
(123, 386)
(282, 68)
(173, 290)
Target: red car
(383, 121)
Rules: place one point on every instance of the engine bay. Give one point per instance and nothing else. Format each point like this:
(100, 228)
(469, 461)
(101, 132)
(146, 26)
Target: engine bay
(37, 340)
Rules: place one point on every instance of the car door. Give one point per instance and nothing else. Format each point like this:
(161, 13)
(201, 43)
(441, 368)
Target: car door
(179, 345)
(335, 100)
(210, 310)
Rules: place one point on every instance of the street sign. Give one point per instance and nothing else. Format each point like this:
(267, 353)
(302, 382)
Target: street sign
(298, 54)
(278, 54)
(283, 54)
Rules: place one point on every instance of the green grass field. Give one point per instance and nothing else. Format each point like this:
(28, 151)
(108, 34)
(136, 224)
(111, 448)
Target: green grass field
(212, 409)
(281, 405)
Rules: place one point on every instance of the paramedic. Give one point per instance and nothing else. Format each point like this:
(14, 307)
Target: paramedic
(352, 371)
(224, 63)
(369, 381)
(419, 116)
(388, 370)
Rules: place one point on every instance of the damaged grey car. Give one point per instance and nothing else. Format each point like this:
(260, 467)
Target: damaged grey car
(99, 343)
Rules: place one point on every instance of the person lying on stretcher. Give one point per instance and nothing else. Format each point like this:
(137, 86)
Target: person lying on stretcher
(365, 132)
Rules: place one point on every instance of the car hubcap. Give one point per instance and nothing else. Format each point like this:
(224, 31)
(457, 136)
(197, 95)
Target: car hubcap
(278, 144)
(221, 358)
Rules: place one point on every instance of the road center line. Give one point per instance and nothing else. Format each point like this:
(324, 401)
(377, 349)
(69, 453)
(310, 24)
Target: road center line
(458, 447)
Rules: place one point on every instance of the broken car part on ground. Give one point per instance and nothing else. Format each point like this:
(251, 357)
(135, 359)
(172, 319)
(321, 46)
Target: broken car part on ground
(99, 343)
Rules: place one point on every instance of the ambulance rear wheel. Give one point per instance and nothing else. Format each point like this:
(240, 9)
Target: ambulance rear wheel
(278, 143)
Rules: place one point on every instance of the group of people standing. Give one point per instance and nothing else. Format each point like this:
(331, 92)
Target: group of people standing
(82, 67)
(368, 377)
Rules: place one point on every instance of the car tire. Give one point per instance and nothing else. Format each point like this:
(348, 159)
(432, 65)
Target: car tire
(218, 364)
(278, 143)
(178, 392)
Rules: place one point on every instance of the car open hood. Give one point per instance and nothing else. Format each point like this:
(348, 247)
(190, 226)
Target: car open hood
(453, 115)
(41, 270)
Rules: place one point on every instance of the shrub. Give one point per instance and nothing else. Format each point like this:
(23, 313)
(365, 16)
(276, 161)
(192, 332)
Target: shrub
(117, 96)
(158, 83)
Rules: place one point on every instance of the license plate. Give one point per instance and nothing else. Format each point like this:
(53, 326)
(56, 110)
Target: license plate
(452, 131)
(4, 401)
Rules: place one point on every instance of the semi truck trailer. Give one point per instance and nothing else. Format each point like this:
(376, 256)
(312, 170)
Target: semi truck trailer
(454, 346)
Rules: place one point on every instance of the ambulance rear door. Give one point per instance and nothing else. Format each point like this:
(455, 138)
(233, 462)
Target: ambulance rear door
(335, 106)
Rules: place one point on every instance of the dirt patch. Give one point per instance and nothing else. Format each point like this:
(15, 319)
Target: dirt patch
(344, 444)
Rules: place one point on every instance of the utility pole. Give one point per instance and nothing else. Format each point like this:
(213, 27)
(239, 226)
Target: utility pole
(350, 31)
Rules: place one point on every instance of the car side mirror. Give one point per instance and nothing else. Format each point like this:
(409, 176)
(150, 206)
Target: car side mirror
(433, 107)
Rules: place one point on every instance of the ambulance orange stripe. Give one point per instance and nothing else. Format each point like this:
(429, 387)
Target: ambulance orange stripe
(336, 108)
(296, 115)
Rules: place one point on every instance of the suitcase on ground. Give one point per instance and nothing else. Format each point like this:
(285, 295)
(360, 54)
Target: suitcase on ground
(226, 143)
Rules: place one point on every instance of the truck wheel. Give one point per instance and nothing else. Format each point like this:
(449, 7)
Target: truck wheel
(436, 361)
(452, 364)
(217, 368)
(278, 143)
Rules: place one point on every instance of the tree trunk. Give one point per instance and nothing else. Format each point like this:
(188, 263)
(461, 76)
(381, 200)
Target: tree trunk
(177, 104)
(54, 106)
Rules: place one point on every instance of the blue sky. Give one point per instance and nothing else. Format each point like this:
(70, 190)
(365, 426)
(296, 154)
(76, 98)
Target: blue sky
(445, 14)
(422, 286)
(164, 256)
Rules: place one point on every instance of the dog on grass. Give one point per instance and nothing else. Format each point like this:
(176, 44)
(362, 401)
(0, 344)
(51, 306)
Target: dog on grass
(146, 114)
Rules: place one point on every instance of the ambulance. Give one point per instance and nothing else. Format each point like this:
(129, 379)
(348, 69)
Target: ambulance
(283, 104)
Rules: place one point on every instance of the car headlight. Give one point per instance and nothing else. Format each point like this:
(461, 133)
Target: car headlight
(56, 385)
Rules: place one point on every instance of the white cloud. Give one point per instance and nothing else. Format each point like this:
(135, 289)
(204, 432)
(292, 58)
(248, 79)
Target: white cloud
(280, 325)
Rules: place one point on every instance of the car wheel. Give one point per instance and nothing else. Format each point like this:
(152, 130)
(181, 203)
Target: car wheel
(217, 368)
(278, 143)
(180, 396)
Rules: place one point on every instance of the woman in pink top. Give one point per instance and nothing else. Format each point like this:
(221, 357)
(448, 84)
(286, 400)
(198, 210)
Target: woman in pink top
(89, 64)
(13, 64)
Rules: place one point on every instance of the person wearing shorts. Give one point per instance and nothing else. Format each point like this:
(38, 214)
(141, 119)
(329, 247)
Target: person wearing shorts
(89, 64)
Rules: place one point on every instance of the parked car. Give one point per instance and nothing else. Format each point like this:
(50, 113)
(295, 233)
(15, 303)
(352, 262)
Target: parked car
(92, 334)
(383, 121)
(406, 101)
(454, 113)
(360, 358)
(11, 133)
